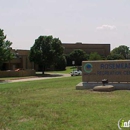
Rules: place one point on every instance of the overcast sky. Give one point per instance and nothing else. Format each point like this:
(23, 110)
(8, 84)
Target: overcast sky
(86, 21)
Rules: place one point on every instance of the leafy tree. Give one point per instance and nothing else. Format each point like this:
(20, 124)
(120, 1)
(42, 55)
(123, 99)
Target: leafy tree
(60, 63)
(122, 50)
(78, 55)
(45, 51)
(128, 55)
(115, 57)
(68, 60)
(5, 49)
(95, 56)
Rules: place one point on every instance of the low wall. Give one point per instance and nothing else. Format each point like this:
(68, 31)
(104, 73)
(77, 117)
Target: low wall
(90, 85)
(20, 73)
(113, 70)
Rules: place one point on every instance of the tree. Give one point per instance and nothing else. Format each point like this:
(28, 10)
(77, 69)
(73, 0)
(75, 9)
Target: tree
(60, 63)
(115, 57)
(122, 50)
(5, 49)
(68, 59)
(45, 51)
(95, 56)
(78, 55)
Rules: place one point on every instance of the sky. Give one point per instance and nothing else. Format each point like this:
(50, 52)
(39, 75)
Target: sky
(86, 21)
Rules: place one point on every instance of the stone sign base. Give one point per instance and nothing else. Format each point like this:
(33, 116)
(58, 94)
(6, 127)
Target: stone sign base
(91, 85)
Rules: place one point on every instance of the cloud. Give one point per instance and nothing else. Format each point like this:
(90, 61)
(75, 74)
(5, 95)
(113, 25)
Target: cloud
(106, 27)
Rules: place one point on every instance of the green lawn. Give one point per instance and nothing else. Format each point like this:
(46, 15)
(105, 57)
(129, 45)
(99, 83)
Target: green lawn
(67, 71)
(54, 104)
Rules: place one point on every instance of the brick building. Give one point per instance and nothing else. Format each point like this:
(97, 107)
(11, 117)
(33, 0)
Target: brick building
(102, 49)
(21, 59)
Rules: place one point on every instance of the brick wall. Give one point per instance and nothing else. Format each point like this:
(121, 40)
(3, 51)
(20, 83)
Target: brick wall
(20, 73)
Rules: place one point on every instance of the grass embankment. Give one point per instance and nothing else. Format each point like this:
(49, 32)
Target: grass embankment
(54, 104)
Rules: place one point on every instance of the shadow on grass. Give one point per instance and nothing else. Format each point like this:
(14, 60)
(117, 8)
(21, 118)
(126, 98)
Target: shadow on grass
(49, 75)
(73, 67)
(3, 81)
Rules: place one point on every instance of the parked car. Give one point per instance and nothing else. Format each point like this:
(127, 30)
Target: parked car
(76, 73)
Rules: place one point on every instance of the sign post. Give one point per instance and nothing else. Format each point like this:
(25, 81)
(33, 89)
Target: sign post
(73, 63)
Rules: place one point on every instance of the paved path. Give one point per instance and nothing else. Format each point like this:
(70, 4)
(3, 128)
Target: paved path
(51, 76)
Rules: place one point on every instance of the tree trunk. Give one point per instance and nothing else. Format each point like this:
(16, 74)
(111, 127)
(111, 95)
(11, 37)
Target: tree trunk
(43, 69)
(42, 72)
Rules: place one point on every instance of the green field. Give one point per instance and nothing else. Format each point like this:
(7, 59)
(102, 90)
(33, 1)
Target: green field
(67, 71)
(54, 104)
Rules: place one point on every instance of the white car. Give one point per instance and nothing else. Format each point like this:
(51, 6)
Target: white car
(76, 73)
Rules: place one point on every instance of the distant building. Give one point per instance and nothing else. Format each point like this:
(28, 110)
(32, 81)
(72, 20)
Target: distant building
(21, 57)
(102, 49)
(20, 60)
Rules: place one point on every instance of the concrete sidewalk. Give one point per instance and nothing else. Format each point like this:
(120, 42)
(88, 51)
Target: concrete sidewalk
(51, 76)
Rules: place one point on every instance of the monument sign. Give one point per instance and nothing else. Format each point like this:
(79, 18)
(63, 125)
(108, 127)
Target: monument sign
(113, 70)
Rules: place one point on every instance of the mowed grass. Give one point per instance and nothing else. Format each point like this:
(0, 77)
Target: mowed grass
(55, 104)
(67, 71)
